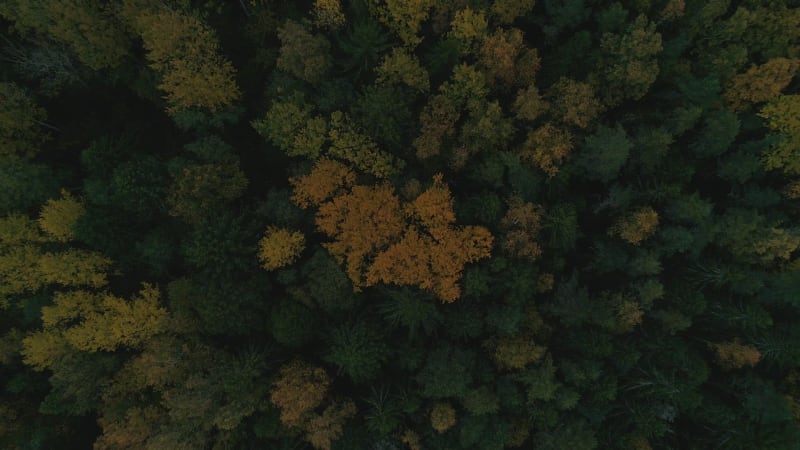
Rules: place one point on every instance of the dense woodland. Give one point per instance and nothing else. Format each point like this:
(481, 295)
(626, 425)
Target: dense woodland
(400, 224)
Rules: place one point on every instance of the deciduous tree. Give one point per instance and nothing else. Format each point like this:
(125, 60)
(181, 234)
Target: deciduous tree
(279, 247)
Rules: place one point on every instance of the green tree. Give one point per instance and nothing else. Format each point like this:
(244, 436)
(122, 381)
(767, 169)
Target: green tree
(22, 127)
(604, 153)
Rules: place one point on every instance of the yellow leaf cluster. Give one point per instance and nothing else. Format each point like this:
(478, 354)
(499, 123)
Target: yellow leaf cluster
(468, 26)
(637, 226)
(279, 247)
(328, 14)
(185, 51)
(574, 102)
(57, 217)
(761, 83)
(404, 17)
(443, 417)
(547, 147)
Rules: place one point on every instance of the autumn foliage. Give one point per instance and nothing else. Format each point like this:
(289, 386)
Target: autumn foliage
(379, 238)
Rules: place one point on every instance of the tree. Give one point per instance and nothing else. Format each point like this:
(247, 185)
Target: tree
(782, 115)
(628, 66)
(761, 83)
(300, 389)
(279, 247)
(21, 123)
(529, 104)
(358, 350)
(90, 322)
(185, 51)
(328, 14)
(327, 427)
(302, 54)
(574, 103)
(443, 417)
(546, 147)
(637, 226)
(361, 222)
(468, 27)
(59, 216)
(403, 17)
(401, 66)
(521, 225)
(604, 153)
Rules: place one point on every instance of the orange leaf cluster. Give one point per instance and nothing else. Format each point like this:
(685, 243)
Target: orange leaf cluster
(327, 177)
(735, 355)
(381, 239)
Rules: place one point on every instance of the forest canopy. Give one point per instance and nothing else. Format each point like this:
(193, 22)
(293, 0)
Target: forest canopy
(400, 224)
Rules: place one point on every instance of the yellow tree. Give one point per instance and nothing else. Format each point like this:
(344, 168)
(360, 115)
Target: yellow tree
(637, 226)
(58, 216)
(279, 247)
(298, 393)
(322, 429)
(735, 355)
(506, 11)
(401, 66)
(25, 265)
(574, 102)
(443, 417)
(529, 104)
(91, 322)
(404, 17)
(469, 27)
(328, 14)
(185, 52)
(761, 83)
(515, 352)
